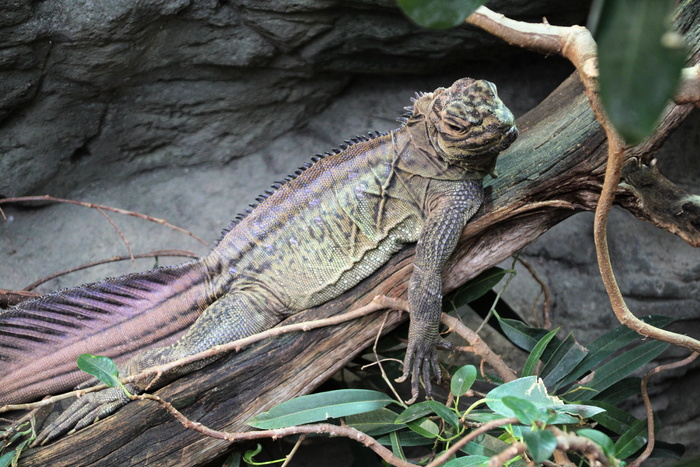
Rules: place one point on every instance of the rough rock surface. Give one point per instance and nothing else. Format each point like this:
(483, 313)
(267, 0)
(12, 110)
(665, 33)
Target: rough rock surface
(95, 90)
(151, 105)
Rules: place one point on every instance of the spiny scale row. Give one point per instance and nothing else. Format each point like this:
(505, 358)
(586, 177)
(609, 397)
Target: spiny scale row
(279, 183)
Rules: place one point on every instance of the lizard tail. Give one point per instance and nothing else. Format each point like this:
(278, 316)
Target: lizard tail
(41, 339)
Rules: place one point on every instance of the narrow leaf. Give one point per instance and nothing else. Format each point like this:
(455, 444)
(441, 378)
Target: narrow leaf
(614, 419)
(622, 365)
(526, 411)
(541, 444)
(405, 438)
(462, 380)
(609, 343)
(445, 413)
(414, 412)
(374, 423)
(439, 14)
(620, 391)
(320, 407)
(632, 440)
(600, 438)
(425, 427)
(562, 361)
(102, 368)
(529, 368)
(397, 445)
(520, 334)
(476, 287)
(6, 459)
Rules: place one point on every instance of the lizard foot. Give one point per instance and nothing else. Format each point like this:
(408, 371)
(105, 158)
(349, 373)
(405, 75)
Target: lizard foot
(85, 411)
(421, 357)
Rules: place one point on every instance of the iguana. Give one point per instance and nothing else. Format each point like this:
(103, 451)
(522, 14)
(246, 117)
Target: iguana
(312, 237)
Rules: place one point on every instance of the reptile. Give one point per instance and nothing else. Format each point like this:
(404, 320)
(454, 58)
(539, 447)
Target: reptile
(310, 238)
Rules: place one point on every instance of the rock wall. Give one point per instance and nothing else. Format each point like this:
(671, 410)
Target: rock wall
(99, 90)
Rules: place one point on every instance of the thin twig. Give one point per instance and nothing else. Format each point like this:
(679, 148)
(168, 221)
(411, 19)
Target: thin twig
(378, 361)
(488, 426)
(119, 232)
(647, 404)
(106, 208)
(545, 290)
(320, 428)
(511, 452)
(153, 254)
(294, 450)
(10, 298)
(479, 347)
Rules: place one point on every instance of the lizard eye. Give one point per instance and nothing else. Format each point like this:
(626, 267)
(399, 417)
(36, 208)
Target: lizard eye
(455, 128)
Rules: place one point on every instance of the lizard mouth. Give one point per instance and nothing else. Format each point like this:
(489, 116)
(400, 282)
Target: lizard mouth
(498, 142)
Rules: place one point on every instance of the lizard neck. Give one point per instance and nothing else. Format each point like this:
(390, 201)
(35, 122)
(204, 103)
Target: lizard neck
(415, 153)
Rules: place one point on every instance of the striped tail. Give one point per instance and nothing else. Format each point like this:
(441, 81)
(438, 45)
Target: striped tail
(41, 339)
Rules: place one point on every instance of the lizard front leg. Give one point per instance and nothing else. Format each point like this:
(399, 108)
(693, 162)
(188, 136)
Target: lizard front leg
(454, 203)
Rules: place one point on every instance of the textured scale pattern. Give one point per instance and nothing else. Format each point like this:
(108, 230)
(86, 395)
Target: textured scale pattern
(308, 239)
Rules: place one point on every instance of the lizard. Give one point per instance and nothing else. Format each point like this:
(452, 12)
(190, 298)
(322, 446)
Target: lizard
(310, 238)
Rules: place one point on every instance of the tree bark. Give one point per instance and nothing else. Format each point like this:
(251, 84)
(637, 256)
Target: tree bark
(553, 171)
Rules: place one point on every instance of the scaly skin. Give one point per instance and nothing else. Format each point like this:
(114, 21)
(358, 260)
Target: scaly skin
(332, 226)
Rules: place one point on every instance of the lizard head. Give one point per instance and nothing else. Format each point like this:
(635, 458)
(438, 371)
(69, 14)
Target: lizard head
(468, 124)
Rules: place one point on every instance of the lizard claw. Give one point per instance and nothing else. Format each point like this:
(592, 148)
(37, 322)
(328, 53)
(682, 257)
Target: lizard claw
(420, 358)
(85, 411)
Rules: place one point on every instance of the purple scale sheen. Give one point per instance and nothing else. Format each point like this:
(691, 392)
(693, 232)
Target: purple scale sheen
(149, 309)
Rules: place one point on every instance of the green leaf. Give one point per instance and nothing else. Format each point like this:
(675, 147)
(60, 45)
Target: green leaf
(462, 380)
(621, 366)
(485, 445)
(600, 438)
(578, 410)
(562, 361)
(614, 419)
(530, 388)
(6, 459)
(374, 423)
(102, 368)
(520, 334)
(251, 453)
(609, 343)
(550, 409)
(320, 407)
(639, 63)
(476, 287)
(620, 391)
(469, 461)
(425, 427)
(414, 412)
(397, 445)
(541, 444)
(405, 438)
(527, 412)
(439, 14)
(632, 440)
(529, 368)
(445, 413)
